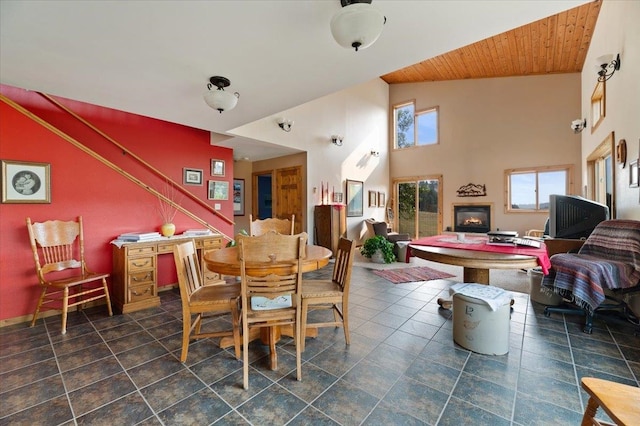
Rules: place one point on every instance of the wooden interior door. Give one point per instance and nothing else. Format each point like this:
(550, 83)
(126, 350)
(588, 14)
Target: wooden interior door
(288, 195)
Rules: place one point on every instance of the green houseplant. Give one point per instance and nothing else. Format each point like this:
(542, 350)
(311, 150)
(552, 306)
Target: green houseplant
(381, 244)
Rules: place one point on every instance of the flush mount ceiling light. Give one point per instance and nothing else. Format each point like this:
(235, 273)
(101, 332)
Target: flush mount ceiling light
(357, 25)
(219, 99)
(607, 62)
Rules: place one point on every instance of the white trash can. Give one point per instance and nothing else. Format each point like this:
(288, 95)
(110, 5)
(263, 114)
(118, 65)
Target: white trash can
(403, 246)
(479, 328)
(539, 296)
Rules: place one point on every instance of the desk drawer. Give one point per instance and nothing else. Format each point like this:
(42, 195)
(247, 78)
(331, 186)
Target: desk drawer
(137, 251)
(141, 264)
(165, 247)
(142, 277)
(141, 292)
(214, 243)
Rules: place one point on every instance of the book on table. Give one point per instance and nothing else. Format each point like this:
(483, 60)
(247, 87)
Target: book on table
(139, 236)
(197, 232)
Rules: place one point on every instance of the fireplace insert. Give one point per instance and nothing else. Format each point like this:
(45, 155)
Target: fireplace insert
(472, 218)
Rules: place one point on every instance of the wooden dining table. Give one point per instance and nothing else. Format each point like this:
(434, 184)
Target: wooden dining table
(226, 261)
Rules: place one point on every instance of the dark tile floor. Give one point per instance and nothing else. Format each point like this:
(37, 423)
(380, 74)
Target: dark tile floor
(402, 368)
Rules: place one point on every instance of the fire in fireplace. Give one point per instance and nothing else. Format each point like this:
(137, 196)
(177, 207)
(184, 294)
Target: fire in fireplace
(472, 218)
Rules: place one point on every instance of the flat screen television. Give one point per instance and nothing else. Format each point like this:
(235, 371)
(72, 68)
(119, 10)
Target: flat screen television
(574, 217)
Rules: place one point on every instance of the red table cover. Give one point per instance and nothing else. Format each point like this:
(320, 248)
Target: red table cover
(480, 244)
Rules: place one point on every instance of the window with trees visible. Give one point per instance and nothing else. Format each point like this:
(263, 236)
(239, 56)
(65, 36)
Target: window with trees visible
(529, 189)
(415, 128)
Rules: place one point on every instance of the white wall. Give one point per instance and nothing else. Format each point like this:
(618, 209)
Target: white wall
(487, 126)
(360, 115)
(617, 31)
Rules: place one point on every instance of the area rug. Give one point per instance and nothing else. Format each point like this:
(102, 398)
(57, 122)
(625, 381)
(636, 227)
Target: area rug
(407, 275)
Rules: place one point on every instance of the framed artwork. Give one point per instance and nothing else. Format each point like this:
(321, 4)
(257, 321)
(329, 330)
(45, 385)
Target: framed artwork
(24, 182)
(218, 190)
(217, 167)
(355, 196)
(238, 197)
(634, 174)
(381, 199)
(191, 176)
(373, 199)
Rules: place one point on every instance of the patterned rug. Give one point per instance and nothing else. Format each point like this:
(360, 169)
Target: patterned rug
(407, 275)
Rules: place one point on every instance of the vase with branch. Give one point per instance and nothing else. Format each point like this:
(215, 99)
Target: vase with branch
(167, 209)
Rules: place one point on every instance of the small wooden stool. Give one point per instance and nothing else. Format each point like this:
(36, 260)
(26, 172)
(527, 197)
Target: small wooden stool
(620, 402)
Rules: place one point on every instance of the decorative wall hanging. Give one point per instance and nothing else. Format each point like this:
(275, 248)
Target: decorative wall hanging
(238, 197)
(621, 153)
(191, 176)
(217, 167)
(24, 182)
(373, 199)
(355, 196)
(381, 199)
(472, 190)
(218, 190)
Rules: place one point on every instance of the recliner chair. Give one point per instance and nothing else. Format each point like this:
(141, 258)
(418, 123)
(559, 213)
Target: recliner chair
(382, 228)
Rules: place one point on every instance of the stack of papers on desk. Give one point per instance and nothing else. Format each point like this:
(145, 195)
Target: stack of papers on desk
(139, 236)
(197, 232)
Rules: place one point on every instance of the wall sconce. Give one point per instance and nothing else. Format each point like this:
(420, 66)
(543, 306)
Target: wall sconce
(219, 99)
(578, 125)
(607, 61)
(375, 153)
(285, 125)
(336, 140)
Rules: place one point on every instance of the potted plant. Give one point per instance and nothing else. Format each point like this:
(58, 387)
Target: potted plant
(378, 249)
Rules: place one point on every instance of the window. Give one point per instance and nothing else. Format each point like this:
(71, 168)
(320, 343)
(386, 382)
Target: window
(529, 189)
(597, 105)
(415, 128)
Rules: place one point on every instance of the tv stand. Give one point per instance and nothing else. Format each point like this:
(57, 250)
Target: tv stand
(562, 245)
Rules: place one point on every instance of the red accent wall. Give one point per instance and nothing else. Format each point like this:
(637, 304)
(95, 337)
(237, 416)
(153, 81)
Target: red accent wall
(109, 203)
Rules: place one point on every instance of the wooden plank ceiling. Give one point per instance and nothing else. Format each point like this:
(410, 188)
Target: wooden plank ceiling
(557, 44)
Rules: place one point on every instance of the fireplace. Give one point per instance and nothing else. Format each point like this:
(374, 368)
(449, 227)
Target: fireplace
(472, 218)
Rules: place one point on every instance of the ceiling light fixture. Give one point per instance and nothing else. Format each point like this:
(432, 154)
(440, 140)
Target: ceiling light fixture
(219, 99)
(357, 25)
(578, 125)
(336, 140)
(607, 61)
(285, 125)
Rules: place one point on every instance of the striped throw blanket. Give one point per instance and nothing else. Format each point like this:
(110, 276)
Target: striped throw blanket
(609, 259)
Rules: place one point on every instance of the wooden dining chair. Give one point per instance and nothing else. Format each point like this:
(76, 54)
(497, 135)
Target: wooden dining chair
(620, 402)
(198, 299)
(330, 294)
(262, 226)
(271, 278)
(58, 251)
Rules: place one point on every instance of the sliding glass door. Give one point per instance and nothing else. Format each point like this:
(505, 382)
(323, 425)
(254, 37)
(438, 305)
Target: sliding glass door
(419, 206)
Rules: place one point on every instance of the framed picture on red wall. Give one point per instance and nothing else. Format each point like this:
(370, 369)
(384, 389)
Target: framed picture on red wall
(217, 167)
(191, 176)
(218, 190)
(25, 182)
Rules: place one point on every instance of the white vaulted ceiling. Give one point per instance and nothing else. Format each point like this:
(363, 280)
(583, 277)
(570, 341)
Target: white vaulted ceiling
(154, 58)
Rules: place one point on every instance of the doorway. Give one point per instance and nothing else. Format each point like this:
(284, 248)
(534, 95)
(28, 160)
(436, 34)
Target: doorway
(278, 193)
(601, 175)
(264, 199)
(419, 205)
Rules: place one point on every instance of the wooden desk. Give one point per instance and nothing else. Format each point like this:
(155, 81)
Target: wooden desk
(475, 263)
(135, 270)
(225, 261)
